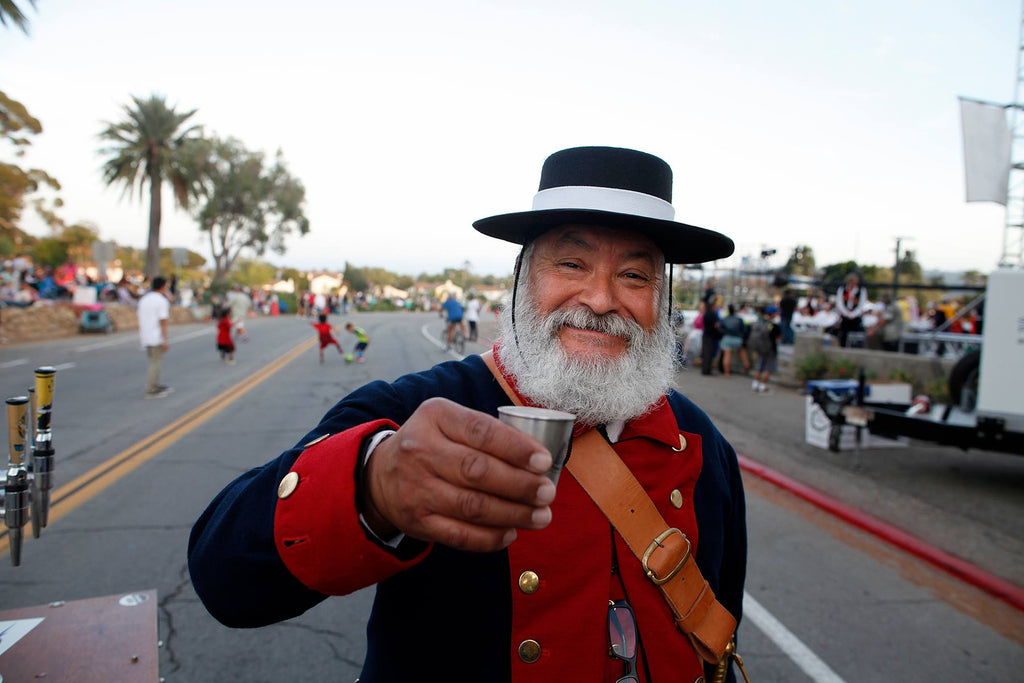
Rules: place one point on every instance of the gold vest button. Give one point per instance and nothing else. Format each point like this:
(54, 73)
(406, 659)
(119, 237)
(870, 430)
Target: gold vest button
(682, 444)
(677, 498)
(529, 582)
(288, 485)
(529, 651)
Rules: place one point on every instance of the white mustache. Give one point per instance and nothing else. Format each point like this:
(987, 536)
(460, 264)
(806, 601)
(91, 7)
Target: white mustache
(583, 319)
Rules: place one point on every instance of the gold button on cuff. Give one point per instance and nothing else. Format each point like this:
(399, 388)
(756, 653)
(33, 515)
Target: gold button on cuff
(529, 651)
(529, 582)
(316, 440)
(288, 485)
(677, 498)
(682, 444)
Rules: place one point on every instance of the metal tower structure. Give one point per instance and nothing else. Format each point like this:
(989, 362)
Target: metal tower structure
(1013, 231)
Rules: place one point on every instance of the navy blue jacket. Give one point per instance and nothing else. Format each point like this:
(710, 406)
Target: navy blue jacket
(238, 571)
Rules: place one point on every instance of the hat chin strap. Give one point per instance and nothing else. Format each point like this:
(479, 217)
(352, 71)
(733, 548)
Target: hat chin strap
(611, 199)
(515, 292)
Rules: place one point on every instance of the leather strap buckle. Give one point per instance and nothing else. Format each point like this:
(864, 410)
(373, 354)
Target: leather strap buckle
(657, 543)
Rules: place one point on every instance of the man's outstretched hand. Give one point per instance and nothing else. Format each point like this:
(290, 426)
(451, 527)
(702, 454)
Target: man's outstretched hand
(458, 477)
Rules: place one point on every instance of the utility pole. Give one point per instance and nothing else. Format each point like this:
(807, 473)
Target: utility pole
(896, 269)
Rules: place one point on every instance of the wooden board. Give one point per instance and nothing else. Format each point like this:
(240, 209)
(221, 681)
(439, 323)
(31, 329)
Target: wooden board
(112, 638)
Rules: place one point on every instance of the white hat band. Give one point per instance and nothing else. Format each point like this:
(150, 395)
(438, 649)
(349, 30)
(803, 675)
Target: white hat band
(610, 199)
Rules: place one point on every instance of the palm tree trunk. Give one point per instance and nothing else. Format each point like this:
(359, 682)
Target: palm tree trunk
(155, 205)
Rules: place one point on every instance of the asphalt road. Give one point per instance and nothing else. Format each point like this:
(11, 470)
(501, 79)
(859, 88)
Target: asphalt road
(825, 602)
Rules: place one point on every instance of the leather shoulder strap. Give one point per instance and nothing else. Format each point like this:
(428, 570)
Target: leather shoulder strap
(664, 552)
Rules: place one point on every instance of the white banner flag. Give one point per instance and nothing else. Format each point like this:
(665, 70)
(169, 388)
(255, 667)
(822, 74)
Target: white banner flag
(987, 143)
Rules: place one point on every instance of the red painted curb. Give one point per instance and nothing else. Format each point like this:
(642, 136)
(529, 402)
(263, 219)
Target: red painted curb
(1009, 593)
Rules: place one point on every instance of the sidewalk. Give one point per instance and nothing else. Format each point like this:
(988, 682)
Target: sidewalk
(969, 504)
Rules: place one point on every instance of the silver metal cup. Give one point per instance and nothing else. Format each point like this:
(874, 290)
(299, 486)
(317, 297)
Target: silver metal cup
(553, 428)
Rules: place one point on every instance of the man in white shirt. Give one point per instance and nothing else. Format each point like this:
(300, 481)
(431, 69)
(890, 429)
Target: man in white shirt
(153, 310)
(240, 305)
(851, 303)
(472, 316)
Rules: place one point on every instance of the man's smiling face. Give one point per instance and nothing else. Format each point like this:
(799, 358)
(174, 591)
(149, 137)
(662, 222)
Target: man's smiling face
(599, 270)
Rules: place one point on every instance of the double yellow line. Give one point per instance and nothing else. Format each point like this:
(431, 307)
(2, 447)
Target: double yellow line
(68, 497)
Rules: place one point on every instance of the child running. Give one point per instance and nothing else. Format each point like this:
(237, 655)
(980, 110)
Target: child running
(325, 331)
(361, 340)
(224, 343)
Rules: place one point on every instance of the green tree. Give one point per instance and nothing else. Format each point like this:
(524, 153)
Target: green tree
(295, 276)
(252, 273)
(78, 240)
(910, 269)
(834, 274)
(50, 251)
(247, 204)
(975, 278)
(801, 261)
(149, 147)
(355, 277)
(133, 261)
(9, 12)
(17, 126)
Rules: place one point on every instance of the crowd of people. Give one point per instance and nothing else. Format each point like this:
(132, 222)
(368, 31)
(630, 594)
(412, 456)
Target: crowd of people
(849, 317)
(720, 334)
(22, 283)
(314, 304)
(884, 320)
(721, 337)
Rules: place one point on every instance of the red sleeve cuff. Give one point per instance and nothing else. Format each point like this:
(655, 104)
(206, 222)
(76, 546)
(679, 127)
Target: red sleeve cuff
(317, 530)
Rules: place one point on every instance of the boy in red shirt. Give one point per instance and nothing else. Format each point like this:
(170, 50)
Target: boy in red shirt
(224, 343)
(325, 331)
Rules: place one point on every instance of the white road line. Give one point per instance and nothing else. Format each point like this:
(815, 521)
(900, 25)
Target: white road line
(786, 641)
(104, 344)
(190, 335)
(13, 363)
(437, 342)
(135, 340)
(64, 366)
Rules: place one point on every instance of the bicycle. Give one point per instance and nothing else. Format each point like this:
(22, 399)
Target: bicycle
(458, 340)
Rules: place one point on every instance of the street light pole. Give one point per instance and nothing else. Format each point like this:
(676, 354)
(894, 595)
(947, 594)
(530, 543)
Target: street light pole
(896, 271)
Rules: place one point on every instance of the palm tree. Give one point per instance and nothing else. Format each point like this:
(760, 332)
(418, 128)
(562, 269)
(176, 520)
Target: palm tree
(9, 11)
(148, 147)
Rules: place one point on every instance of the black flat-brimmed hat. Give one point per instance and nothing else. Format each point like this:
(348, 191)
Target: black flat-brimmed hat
(610, 187)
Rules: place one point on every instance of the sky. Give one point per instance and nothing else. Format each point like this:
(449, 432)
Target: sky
(832, 123)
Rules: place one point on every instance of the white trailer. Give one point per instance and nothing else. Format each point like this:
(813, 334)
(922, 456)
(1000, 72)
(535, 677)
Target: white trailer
(987, 387)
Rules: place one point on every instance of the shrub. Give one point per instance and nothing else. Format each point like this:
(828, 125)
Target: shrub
(843, 368)
(901, 375)
(289, 300)
(811, 366)
(937, 390)
(383, 305)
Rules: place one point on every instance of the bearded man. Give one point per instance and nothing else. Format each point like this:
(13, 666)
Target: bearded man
(482, 572)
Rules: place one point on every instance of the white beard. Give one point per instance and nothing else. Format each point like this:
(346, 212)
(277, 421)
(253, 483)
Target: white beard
(597, 390)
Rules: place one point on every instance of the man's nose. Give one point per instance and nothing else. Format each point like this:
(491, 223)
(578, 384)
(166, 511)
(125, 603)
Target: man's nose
(599, 295)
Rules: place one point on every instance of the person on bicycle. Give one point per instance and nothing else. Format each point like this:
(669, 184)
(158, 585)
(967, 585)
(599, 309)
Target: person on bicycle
(453, 310)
